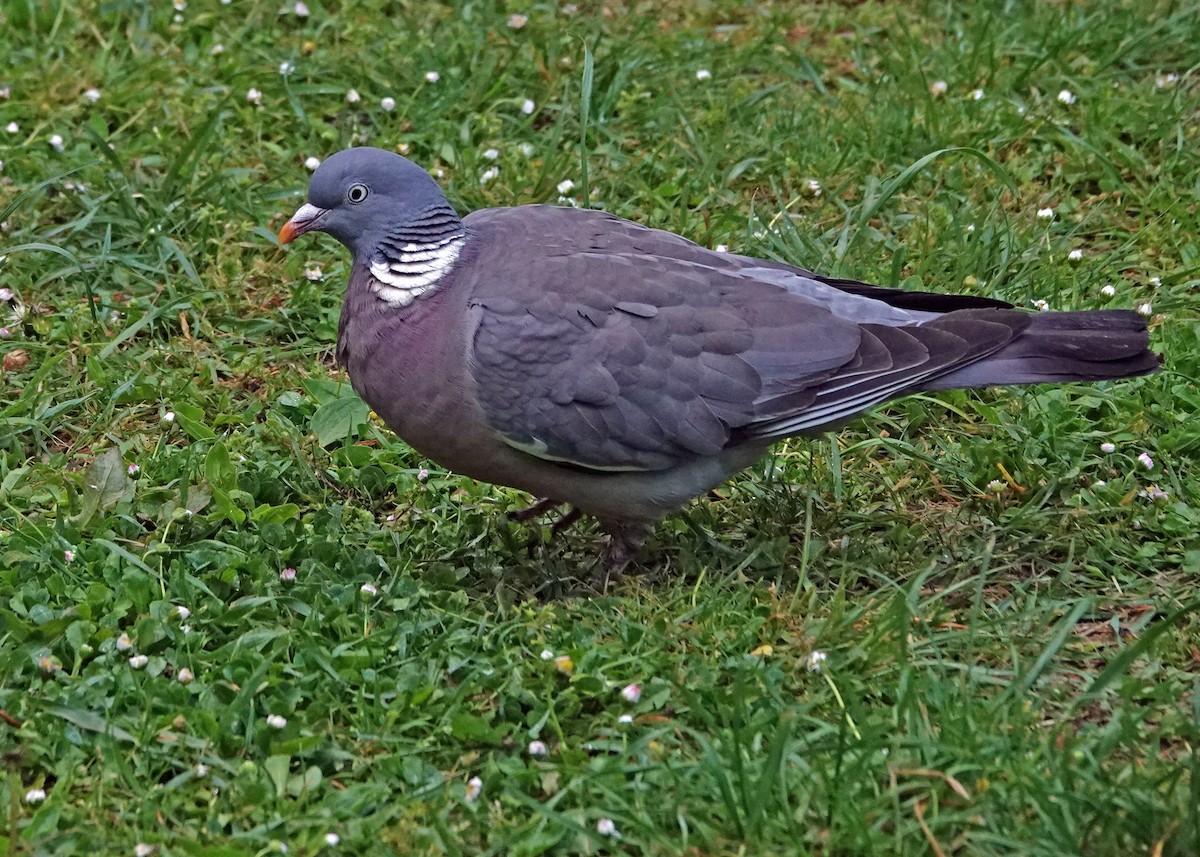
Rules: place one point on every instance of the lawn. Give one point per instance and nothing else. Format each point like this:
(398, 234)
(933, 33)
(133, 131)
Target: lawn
(239, 617)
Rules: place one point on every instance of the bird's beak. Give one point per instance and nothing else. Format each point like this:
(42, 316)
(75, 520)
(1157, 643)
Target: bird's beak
(308, 217)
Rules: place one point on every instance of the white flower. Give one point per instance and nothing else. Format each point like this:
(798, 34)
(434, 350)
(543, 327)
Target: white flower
(216, 49)
(300, 10)
(488, 174)
(6, 294)
(138, 661)
(1045, 213)
(1040, 305)
(143, 850)
(815, 659)
(124, 644)
(387, 103)
(422, 474)
(56, 142)
(332, 839)
(254, 97)
(547, 655)
(185, 676)
(69, 555)
(1075, 255)
(625, 719)
(168, 417)
(311, 163)
(1145, 308)
(35, 796)
(970, 227)
(314, 275)
(286, 67)
(91, 94)
(995, 486)
(1066, 96)
(517, 21)
(814, 187)
(1154, 493)
(288, 574)
(179, 5)
(369, 589)
(1108, 448)
(352, 96)
(12, 127)
(474, 787)
(631, 693)
(605, 827)
(5, 333)
(537, 748)
(276, 721)
(491, 154)
(703, 74)
(528, 106)
(977, 95)
(566, 186)
(1165, 80)
(5, 93)
(938, 87)
(1109, 290)
(1155, 281)
(1146, 461)
(526, 150)
(721, 248)
(182, 612)
(201, 770)
(432, 76)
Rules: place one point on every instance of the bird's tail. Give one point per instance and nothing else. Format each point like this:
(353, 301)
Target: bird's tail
(1089, 345)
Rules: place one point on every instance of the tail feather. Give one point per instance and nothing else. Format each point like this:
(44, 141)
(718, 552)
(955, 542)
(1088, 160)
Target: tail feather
(1062, 346)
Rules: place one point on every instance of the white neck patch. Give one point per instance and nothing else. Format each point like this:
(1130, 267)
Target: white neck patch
(418, 269)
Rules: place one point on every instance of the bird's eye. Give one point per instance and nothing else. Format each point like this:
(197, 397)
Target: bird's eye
(357, 193)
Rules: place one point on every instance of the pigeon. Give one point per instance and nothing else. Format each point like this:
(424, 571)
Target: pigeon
(624, 370)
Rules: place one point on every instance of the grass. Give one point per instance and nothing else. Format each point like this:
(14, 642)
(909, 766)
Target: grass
(1013, 668)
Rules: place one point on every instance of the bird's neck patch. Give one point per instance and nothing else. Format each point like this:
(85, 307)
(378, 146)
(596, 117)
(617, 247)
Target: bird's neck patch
(413, 258)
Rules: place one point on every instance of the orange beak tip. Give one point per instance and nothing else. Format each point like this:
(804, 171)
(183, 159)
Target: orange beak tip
(287, 233)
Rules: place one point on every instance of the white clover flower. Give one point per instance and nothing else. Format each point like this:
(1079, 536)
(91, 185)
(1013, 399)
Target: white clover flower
(124, 644)
(703, 74)
(1045, 213)
(286, 67)
(369, 589)
(474, 788)
(185, 676)
(254, 97)
(202, 770)
(288, 574)
(1040, 305)
(432, 76)
(526, 150)
(69, 555)
(977, 95)
(938, 88)
(1109, 290)
(387, 103)
(517, 21)
(276, 721)
(1145, 308)
(1066, 97)
(91, 95)
(35, 796)
(352, 96)
(631, 693)
(300, 10)
(489, 174)
(528, 106)
(1146, 461)
(625, 719)
(332, 839)
(1075, 255)
(606, 827)
(566, 186)
(815, 660)
(491, 154)
(12, 128)
(138, 661)
(143, 850)
(311, 163)
(314, 275)
(547, 655)
(182, 612)
(537, 748)
(1108, 448)
(995, 486)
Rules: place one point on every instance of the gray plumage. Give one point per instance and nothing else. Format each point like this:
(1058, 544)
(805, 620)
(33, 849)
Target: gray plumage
(625, 370)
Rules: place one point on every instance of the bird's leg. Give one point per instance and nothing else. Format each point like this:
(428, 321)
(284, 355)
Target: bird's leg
(625, 539)
(539, 507)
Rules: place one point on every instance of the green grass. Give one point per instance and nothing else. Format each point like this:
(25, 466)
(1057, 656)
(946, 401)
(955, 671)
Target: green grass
(1010, 672)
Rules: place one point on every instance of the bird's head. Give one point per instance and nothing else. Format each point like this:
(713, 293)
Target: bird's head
(360, 195)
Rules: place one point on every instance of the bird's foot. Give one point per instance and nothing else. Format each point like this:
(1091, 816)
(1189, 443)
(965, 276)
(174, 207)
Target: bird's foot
(539, 507)
(625, 540)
